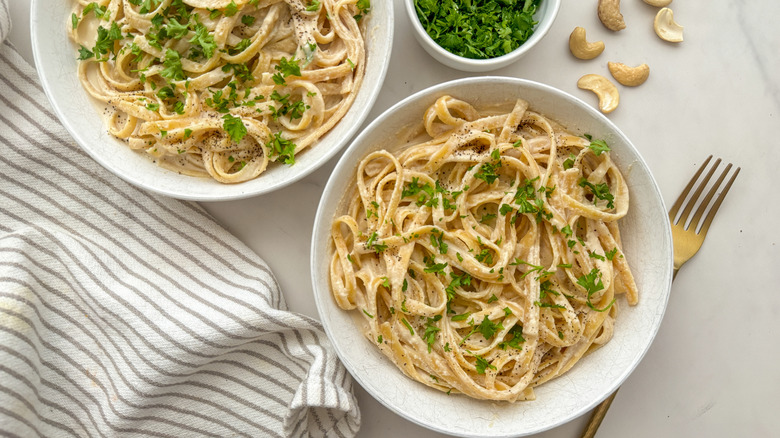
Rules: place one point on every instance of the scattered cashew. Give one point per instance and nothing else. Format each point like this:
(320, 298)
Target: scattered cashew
(629, 76)
(604, 89)
(658, 3)
(581, 48)
(666, 28)
(610, 16)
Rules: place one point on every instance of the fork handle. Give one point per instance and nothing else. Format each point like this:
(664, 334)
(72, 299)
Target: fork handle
(598, 416)
(601, 410)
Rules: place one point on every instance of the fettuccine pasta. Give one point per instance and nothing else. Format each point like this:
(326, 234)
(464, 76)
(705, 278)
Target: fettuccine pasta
(218, 88)
(484, 259)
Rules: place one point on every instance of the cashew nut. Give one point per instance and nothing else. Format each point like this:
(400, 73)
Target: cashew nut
(629, 76)
(658, 3)
(610, 16)
(581, 48)
(666, 28)
(604, 89)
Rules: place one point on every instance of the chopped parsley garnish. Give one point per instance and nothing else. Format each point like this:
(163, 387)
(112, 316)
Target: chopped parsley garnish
(176, 30)
(597, 146)
(240, 47)
(461, 317)
(100, 11)
(234, 127)
(372, 245)
(482, 364)
(286, 68)
(313, 5)
(438, 241)
(432, 267)
(105, 41)
(517, 338)
(364, 6)
(487, 171)
(241, 71)
(485, 256)
(592, 283)
(173, 69)
(457, 281)
(430, 331)
(599, 191)
(478, 29)
(85, 53)
(282, 148)
(248, 20)
(568, 163)
(489, 328)
(231, 9)
(204, 40)
(531, 269)
(409, 326)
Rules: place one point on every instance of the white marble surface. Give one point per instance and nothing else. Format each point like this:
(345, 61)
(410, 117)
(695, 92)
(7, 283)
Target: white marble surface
(712, 370)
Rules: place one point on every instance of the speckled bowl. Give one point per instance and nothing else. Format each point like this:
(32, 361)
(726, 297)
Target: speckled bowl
(55, 59)
(647, 243)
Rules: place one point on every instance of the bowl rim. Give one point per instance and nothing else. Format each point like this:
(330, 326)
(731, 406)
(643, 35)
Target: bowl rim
(325, 212)
(491, 63)
(223, 192)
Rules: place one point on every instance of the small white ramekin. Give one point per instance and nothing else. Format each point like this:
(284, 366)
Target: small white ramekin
(545, 15)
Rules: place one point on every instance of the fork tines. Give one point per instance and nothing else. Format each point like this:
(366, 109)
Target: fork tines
(704, 204)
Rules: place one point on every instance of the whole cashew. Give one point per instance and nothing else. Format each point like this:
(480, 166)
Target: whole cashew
(610, 16)
(666, 28)
(581, 48)
(658, 3)
(609, 98)
(629, 76)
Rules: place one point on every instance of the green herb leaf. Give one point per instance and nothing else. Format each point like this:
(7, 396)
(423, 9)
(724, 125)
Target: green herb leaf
(517, 338)
(204, 39)
(288, 68)
(364, 6)
(599, 191)
(282, 148)
(598, 146)
(482, 364)
(430, 331)
(231, 9)
(409, 326)
(234, 127)
(173, 69)
(592, 283)
(85, 53)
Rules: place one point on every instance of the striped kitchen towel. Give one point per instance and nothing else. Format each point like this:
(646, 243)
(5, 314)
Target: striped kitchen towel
(128, 314)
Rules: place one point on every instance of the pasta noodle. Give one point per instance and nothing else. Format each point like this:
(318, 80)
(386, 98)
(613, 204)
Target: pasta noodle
(218, 88)
(486, 258)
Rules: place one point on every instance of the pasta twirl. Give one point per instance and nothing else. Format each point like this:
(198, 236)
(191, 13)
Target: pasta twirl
(486, 258)
(220, 88)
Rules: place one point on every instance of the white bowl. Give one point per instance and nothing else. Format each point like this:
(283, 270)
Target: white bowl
(545, 15)
(647, 243)
(55, 59)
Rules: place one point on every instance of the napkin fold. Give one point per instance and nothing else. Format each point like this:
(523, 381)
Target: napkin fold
(125, 313)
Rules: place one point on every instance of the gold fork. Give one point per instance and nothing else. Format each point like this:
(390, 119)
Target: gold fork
(687, 237)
